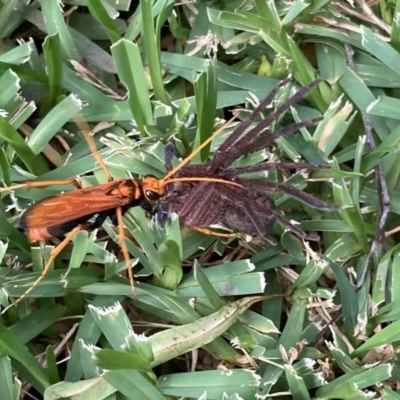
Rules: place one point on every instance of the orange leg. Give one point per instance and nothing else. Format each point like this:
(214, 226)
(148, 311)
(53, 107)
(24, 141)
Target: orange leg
(207, 231)
(124, 249)
(31, 185)
(54, 253)
(87, 133)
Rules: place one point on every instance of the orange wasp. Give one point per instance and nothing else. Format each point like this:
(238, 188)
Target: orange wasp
(69, 212)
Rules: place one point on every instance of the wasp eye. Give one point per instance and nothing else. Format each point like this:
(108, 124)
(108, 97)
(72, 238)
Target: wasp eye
(152, 196)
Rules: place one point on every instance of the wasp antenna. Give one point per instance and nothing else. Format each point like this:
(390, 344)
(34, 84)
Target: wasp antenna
(185, 161)
(205, 179)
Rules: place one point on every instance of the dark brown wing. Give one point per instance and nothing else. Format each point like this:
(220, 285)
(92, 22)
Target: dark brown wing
(74, 205)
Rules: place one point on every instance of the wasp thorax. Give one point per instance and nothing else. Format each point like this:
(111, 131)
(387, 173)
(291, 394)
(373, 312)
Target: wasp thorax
(152, 189)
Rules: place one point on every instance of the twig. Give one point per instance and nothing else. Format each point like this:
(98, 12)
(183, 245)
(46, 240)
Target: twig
(383, 194)
(384, 205)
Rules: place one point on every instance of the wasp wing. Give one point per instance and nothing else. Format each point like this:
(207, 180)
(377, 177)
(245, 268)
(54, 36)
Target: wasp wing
(74, 205)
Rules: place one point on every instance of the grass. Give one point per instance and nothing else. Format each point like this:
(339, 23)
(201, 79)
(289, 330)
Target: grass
(199, 326)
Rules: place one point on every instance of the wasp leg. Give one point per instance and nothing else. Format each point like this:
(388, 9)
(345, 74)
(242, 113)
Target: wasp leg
(31, 185)
(54, 253)
(124, 249)
(87, 133)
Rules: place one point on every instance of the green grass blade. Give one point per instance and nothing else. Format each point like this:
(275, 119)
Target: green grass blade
(54, 65)
(152, 51)
(16, 350)
(206, 102)
(35, 164)
(55, 24)
(53, 122)
(99, 12)
(130, 69)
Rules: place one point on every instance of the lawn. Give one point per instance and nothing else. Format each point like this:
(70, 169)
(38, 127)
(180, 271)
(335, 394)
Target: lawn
(299, 302)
